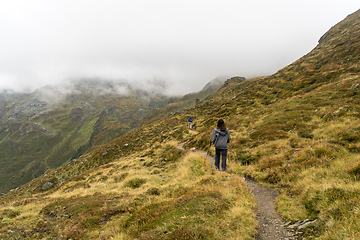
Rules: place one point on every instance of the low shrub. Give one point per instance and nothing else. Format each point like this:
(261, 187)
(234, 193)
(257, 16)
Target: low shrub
(77, 186)
(9, 213)
(153, 191)
(121, 177)
(245, 158)
(268, 134)
(135, 183)
(306, 134)
(171, 153)
(354, 170)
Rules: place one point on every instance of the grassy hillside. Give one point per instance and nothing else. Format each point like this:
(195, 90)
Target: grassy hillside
(38, 132)
(297, 131)
(138, 186)
(54, 124)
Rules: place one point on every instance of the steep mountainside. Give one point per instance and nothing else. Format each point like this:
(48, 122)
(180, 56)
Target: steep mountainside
(297, 131)
(56, 123)
(8, 95)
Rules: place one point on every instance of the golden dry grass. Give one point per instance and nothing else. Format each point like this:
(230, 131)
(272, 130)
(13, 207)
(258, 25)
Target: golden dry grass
(177, 183)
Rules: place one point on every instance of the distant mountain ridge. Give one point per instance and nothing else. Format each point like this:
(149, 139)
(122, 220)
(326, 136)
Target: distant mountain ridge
(187, 101)
(297, 131)
(55, 123)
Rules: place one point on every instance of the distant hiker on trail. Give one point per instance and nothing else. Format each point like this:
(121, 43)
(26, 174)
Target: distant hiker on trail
(220, 138)
(190, 122)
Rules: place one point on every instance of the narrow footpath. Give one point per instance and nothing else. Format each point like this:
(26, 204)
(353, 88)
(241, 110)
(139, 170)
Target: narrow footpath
(271, 225)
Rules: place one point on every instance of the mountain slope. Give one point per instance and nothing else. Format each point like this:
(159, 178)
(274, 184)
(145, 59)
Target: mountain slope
(54, 124)
(187, 101)
(47, 128)
(297, 131)
(9, 95)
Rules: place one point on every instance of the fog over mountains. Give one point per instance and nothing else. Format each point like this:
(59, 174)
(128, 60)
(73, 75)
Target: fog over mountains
(55, 123)
(183, 43)
(121, 165)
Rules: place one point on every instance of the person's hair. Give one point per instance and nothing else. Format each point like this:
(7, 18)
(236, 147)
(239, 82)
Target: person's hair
(221, 124)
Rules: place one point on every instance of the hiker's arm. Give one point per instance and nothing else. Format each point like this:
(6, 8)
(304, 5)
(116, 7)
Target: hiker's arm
(212, 140)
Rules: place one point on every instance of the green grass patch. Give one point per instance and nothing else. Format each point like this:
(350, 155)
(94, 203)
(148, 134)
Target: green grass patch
(194, 216)
(135, 183)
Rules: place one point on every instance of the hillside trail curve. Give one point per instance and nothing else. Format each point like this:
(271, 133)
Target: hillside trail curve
(271, 225)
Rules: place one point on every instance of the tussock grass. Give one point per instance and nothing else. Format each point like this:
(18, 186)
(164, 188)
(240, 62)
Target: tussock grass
(198, 207)
(185, 199)
(318, 179)
(297, 131)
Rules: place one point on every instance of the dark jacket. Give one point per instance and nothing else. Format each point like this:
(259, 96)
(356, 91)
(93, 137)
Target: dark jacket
(220, 138)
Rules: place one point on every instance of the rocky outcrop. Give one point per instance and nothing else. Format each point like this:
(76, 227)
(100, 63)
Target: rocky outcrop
(234, 80)
(301, 224)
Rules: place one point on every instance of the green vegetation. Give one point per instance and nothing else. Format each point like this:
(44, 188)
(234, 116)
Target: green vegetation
(76, 124)
(296, 131)
(186, 198)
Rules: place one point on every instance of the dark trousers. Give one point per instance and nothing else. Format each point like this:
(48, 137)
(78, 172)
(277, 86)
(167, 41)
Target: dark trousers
(223, 153)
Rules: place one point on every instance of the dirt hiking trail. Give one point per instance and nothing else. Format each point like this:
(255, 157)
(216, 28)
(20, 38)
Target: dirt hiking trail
(271, 225)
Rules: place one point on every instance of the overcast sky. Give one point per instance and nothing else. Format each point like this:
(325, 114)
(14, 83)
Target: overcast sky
(186, 43)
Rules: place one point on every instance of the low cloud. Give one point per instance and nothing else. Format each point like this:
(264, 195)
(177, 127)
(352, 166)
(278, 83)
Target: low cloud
(179, 45)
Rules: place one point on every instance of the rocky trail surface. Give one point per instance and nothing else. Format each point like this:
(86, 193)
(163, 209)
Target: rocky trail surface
(271, 225)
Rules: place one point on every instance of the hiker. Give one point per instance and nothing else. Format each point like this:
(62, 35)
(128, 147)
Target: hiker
(220, 138)
(190, 122)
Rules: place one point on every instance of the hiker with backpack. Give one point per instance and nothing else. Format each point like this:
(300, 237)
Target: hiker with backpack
(220, 138)
(190, 122)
